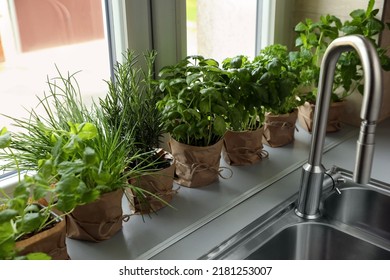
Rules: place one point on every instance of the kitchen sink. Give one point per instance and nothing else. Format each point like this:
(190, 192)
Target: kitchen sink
(365, 207)
(314, 241)
(352, 226)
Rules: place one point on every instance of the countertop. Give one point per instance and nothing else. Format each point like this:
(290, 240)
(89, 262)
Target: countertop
(202, 218)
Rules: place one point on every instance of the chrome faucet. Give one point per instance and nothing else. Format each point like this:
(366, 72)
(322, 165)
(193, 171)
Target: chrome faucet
(313, 171)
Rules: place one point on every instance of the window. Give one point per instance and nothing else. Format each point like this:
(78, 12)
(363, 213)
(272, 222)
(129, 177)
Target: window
(38, 36)
(221, 28)
(226, 28)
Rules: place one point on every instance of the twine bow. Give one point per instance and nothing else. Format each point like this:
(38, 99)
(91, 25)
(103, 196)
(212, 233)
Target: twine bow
(198, 167)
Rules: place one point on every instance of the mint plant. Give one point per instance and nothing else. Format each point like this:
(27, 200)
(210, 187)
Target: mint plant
(313, 39)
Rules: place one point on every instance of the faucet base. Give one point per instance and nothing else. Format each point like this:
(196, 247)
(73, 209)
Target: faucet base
(306, 216)
(310, 191)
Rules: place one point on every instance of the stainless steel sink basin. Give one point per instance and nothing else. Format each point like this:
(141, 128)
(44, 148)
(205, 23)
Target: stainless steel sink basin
(365, 207)
(352, 226)
(317, 242)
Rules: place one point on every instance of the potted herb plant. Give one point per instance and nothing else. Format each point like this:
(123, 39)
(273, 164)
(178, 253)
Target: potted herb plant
(29, 229)
(194, 107)
(83, 154)
(243, 138)
(280, 81)
(131, 105)
(313, 39)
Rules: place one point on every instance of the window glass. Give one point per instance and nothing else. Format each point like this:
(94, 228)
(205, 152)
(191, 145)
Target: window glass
(221, 28)
(39, 36)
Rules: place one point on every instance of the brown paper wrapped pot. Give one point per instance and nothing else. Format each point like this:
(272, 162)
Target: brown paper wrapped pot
(98, 220)
(243, 147)
(50, 241)
(279, 129)
(159, 183)
(306, 113)
(196, 166)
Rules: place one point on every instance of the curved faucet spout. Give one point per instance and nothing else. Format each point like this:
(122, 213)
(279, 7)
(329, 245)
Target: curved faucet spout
(313, 171)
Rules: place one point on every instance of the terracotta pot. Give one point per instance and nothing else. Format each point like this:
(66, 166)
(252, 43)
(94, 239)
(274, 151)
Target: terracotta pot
(98, 220)
(279, 129)
(50, 241)
(159, 183)
(243, 147)
(196, 166)
(306, 113)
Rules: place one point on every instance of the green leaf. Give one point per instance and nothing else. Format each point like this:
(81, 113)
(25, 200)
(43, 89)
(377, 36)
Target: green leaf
(358, 14)
(30, 222)
(31, 208)
(348, 30)
(236, 62)
(101, 178)
(374, 26)
(193, 113)
(181, 130)
(370, 7)
(40, 191)
(7, 215)
(5, 138)
(66, 202)
(7, 241)
(274, 67)
(71, 167)
(45, 167)
(211, 62)
(72, 145)
(219, 126)
(87, 131)
(298, 41)
(90, 157)
(205, 106)
(219, 110)
(91, 195)
(300, 27)
(38, 256)
(67, 184)
(193, 77)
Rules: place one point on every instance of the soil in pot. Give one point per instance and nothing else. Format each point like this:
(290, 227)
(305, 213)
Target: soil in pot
(279, 129)
(243, 147)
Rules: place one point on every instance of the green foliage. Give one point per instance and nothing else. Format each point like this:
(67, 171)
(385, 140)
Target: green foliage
(194, 106)
(5, 138)
(313, 39)
(279, 79)
(130, 105)
(349, 72)
(19, 215)
(76, 145)
(267, 83)
(75, 155)
(246, 95)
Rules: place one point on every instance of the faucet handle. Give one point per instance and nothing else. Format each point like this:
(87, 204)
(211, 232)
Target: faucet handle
(333, 179)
